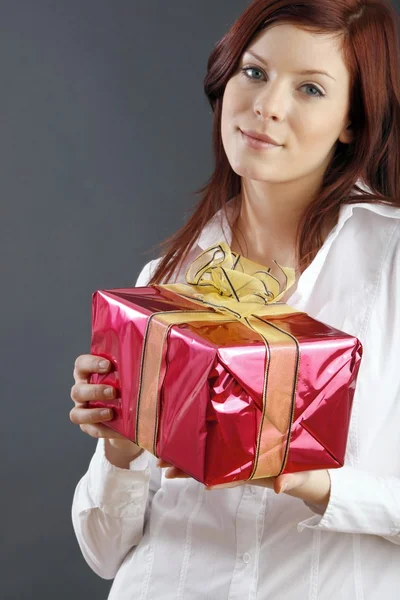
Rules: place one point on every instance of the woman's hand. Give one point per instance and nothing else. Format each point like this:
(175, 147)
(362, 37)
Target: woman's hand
(119, 450)
(312, 487)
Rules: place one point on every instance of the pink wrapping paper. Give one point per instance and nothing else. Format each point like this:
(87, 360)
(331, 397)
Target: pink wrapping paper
(211, 389)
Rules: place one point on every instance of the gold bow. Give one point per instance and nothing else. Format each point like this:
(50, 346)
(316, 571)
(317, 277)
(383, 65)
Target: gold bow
(230, 283)
(230, 287)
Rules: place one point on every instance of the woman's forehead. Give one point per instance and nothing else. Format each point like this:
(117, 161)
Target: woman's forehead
(286, 46)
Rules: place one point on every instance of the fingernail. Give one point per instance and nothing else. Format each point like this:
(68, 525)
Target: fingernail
(103, 365)
(283, 488)
(106, 413)
(109, 392)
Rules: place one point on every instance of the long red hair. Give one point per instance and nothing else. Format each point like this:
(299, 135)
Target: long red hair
(371, 52)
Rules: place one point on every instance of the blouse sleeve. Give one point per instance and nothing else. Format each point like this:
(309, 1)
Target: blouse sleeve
(365, 493)
(110, 504)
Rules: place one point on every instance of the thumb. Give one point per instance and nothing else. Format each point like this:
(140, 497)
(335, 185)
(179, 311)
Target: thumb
(290, 481)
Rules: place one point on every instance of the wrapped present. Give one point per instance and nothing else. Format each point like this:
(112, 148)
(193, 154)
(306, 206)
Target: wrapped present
(222, 379)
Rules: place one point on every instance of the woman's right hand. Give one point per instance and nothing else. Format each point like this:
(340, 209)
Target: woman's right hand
(90, 419)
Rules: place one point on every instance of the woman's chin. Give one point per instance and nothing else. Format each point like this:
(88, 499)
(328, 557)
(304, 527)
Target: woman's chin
(252, 172)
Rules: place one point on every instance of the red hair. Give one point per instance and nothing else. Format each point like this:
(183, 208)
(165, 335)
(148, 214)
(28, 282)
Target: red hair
(369, 29)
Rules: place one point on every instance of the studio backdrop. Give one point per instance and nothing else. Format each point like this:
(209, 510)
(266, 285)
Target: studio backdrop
(105, 136)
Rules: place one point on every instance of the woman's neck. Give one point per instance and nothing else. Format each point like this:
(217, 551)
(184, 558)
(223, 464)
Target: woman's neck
(266, 228)
(266, 236)
(264, 232)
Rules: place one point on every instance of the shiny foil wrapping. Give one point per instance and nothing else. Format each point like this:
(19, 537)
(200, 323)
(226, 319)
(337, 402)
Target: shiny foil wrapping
(209, 386)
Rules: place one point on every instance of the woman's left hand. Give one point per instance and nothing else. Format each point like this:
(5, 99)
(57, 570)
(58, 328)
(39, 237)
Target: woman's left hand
(312, 487)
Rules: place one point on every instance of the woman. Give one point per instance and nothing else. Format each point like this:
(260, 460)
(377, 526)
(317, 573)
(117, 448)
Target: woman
(323, 198)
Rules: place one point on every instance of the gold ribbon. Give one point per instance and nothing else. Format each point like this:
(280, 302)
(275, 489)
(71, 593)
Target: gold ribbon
(229, 287)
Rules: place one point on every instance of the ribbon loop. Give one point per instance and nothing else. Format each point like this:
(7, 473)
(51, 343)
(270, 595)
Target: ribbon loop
(233, 276)
(233, 284)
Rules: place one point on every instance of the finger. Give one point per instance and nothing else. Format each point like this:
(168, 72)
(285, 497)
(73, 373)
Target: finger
(267, 482)
(221, 486)
(82, 416)
(174, 473)
(101, 431)
(163, 464)
(86, 364)
(89, 392)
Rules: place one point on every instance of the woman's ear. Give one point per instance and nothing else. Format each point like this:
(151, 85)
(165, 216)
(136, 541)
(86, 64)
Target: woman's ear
(346, 136)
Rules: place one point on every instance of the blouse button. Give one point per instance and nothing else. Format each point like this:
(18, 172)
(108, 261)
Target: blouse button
(246, 558)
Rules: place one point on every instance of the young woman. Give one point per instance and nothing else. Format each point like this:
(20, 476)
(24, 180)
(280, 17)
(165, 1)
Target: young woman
(307, 147)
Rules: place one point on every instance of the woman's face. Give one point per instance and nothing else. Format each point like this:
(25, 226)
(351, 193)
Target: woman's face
(305, 113)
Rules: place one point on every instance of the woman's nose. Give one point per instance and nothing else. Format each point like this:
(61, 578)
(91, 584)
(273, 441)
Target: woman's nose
(271, 102)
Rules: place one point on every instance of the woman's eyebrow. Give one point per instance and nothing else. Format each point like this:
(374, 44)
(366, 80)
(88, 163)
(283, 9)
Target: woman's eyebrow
(306, 72)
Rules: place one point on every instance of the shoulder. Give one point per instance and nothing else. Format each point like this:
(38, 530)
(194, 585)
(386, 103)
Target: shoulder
(375, 233)
(374, 229)
(147, 272)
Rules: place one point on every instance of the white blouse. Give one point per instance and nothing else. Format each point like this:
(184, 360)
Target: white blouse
(171, 539)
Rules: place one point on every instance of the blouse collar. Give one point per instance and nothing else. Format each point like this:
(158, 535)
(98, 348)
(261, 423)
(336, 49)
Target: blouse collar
(218, 228)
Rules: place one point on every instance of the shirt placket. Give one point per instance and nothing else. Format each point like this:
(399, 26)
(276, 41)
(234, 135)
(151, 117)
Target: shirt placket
(309, 276)
(247, 547)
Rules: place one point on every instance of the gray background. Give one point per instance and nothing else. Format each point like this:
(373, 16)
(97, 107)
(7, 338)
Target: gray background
(105, 134)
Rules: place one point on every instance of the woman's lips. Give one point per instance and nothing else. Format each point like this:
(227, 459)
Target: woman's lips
(256, 143)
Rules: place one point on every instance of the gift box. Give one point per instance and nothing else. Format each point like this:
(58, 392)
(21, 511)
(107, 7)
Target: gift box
(220, 378)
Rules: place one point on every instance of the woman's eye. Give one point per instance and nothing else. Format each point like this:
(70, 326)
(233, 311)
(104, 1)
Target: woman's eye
(319, 93)
(254, 69)
(258, 74)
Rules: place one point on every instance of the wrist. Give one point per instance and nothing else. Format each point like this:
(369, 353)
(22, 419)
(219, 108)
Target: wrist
(121, 453)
